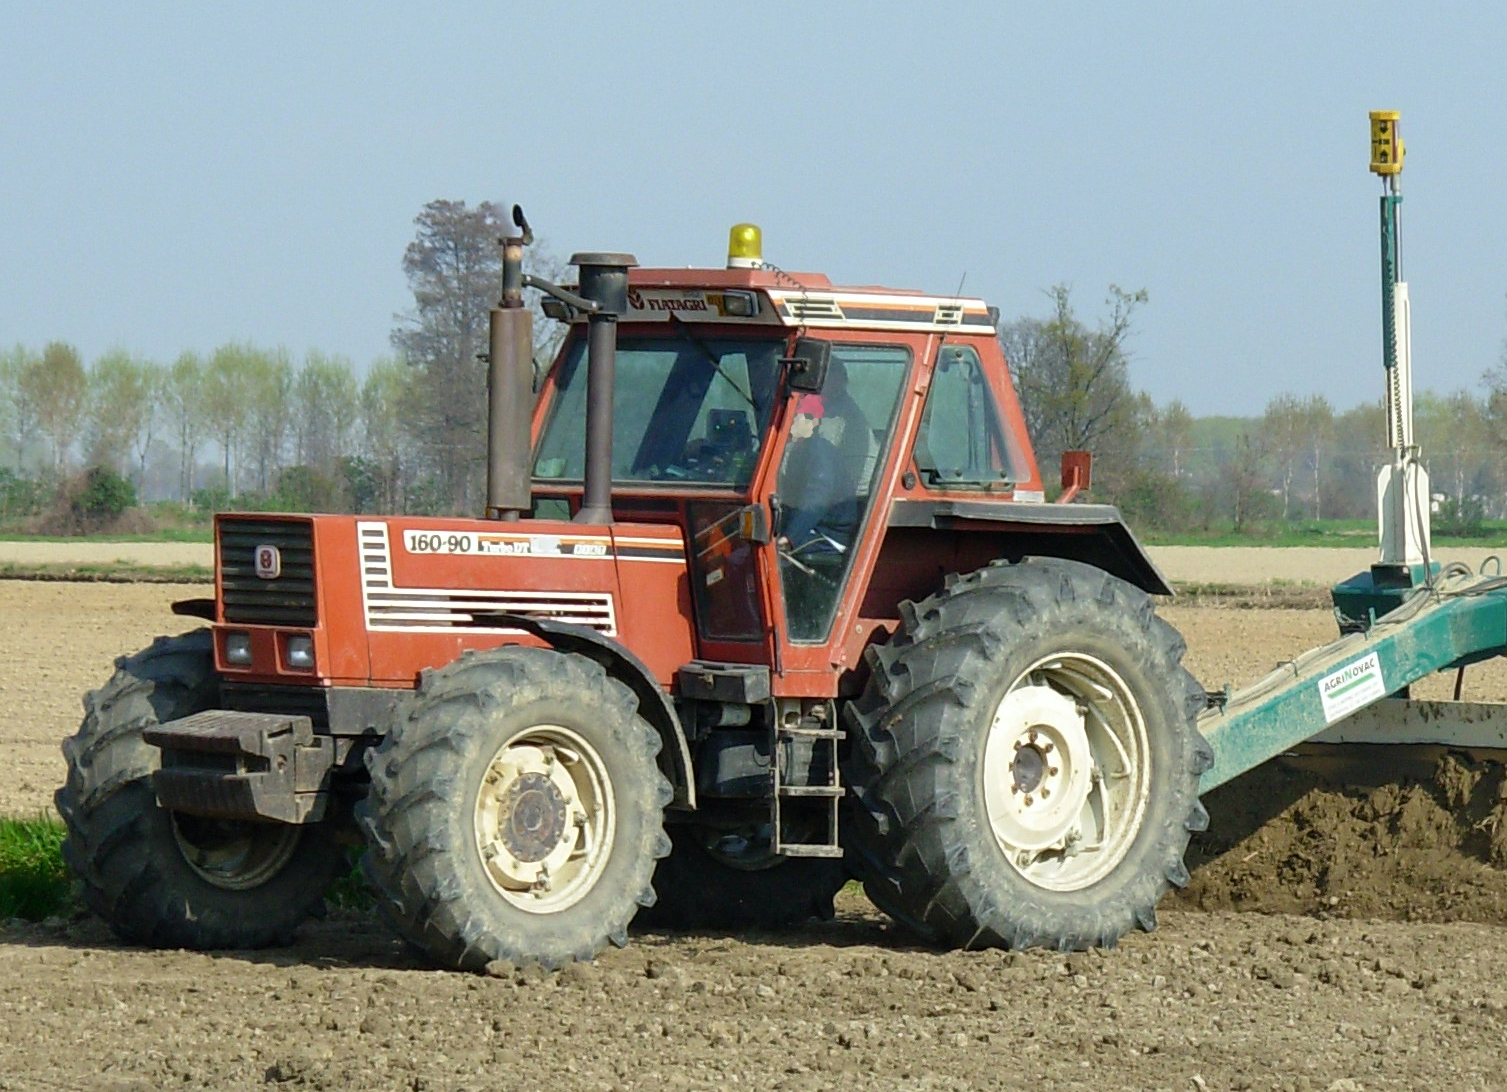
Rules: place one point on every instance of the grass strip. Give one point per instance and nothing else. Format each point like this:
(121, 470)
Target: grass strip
(114, 572)
(34, 883)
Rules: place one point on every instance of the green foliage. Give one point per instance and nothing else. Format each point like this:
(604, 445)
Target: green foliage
(304, 489)
(1460, 517)
(179, 522)
(19, 496)
(1153, 501)
(216, 499)
(101, 497)
(364, 482)
(34, 883)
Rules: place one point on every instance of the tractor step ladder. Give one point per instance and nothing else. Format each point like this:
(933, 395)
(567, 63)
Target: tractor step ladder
(813, 807)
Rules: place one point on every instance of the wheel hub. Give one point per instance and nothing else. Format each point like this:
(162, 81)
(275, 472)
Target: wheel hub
(1064, 771)
(234, 855)
(1029, 768)
(1039, 753)
(534, 817)
(543, 819)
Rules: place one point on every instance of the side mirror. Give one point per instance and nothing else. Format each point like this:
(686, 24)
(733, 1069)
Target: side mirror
(806, 368)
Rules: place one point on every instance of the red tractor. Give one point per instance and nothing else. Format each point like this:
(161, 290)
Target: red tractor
(768, 594)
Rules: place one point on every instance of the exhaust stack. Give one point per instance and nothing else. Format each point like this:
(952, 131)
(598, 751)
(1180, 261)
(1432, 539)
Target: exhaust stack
(510, 386)
(604, 282)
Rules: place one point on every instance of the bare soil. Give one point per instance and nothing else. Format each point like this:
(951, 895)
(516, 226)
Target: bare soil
(1373, 959)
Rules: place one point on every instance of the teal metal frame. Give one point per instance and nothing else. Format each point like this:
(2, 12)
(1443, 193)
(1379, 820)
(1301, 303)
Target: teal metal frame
(1438, 628)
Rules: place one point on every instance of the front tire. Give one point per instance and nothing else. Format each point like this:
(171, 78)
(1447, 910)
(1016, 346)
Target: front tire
(516, 811)
(163, 878)
(1026, 761)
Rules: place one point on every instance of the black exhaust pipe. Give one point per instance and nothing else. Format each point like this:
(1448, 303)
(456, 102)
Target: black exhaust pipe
(604, 281)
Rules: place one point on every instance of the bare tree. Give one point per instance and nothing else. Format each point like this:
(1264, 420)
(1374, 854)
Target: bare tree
(1283, 439)
(182, 396)
(454, 271)
(1073, 382)
(384, 438)
(268, 383)
(17, 420)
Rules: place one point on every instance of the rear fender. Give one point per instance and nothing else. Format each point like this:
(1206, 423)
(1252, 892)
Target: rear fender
(1094, 534)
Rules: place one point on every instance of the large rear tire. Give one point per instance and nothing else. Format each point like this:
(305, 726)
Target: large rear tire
(715, 879)
(516, 811)
(167, 879)
(1026, 761)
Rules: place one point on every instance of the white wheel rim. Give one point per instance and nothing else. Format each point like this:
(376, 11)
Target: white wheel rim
(1065, 771)
(544, 819)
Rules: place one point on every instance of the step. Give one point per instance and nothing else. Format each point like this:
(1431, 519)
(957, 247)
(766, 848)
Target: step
(799, 849)
(812, 790)
(811, 733)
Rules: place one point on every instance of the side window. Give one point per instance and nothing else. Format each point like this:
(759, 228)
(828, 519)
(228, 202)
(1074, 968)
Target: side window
(961, 444)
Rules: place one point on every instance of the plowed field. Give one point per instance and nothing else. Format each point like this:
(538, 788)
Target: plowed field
(1331, 939)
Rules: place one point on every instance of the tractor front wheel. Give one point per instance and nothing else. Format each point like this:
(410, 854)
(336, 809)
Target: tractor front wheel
(1026, 761)
(515, 811)
(169, 879)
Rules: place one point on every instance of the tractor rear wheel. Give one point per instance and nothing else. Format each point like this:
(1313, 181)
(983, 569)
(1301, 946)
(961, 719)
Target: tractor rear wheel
(516, 811)
(718, 879)
(1026, 760)
(164, 878)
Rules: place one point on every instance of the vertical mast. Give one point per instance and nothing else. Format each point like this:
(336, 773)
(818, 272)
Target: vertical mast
(1402, 487)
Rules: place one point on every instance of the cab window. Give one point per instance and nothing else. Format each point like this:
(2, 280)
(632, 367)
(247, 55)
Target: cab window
(961, 444)
(686, 409)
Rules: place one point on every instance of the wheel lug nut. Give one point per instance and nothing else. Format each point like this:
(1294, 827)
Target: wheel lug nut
(1052, 771)
(1029, 800)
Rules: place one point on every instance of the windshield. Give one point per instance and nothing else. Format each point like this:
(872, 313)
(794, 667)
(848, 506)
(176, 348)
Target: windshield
(687, 408)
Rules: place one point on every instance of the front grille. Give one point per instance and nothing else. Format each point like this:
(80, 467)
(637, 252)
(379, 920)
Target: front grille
(288, 599)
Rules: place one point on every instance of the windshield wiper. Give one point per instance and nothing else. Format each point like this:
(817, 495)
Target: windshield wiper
(685, 330)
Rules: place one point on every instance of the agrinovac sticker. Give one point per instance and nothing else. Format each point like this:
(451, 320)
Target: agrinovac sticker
(1352, 686)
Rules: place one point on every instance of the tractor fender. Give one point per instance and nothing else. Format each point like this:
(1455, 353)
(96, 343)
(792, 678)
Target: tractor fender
(653, 702)
(1094, 534)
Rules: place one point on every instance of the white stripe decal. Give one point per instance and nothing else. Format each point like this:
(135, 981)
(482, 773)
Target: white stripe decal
(392, 609)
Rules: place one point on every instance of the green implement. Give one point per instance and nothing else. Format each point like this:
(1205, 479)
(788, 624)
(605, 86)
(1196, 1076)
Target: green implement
(1458, 619)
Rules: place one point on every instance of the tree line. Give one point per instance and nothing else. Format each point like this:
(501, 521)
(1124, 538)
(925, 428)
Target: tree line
(1300, 459)
(251, 426)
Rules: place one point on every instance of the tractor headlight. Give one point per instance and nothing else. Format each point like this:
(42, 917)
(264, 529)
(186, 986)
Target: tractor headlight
(238, 648)
(300, 651)
(739, 304)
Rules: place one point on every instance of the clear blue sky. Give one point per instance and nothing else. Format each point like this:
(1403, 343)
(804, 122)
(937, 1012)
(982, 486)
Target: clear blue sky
(176, 176)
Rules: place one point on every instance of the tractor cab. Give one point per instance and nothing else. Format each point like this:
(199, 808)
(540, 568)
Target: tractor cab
(776, 419)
